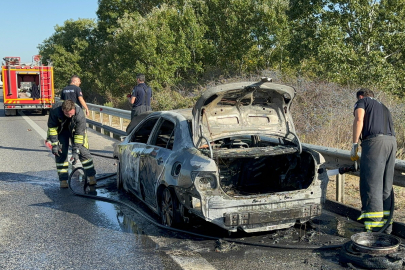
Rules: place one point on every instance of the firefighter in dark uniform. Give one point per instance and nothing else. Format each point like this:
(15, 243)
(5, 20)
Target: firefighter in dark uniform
(374, 127)
(141, 97)
(74, 93)
(67, 121)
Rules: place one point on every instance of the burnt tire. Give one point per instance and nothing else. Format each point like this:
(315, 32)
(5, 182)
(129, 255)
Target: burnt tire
(351, 257)
(170, 213)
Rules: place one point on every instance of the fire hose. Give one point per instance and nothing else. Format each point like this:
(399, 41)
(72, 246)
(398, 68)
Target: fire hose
(347, 256)
(154, 222)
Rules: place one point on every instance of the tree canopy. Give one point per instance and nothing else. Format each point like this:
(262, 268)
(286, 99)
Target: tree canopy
(178, 44)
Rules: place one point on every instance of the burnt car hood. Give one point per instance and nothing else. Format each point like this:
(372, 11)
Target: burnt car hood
(243, 108)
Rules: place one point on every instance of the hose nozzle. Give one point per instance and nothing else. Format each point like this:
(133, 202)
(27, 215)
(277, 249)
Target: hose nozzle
(353, 168)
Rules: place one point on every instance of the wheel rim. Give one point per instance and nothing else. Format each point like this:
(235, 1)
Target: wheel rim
(167, 208)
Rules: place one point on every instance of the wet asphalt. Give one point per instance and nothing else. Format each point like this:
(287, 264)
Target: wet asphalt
(45, 227)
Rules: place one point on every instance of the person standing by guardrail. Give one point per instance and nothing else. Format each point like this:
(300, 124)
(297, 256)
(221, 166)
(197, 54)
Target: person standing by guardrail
(374, 127)
(74, 92)
(140, 97)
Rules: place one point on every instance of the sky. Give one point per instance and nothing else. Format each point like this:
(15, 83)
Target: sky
(27, 23)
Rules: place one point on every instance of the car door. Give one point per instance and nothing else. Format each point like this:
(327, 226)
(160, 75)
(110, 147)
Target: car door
(154, 159)
(132, 153)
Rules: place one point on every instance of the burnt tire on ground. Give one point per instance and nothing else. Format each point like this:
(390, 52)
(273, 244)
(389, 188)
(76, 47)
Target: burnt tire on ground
(349, 256)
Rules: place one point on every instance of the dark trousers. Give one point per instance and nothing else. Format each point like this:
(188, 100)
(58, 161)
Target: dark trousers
(62, 164)
(376, 178)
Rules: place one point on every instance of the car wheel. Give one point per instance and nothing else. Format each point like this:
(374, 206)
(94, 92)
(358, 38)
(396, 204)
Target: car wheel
(170, 210)
(119, 178)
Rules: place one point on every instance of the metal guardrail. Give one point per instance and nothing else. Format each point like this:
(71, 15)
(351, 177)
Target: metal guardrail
(110, 112)
(106, 130)
(334, 158)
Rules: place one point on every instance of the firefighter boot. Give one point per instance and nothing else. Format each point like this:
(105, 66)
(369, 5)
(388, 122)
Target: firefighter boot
(64, 184)
(92, 180)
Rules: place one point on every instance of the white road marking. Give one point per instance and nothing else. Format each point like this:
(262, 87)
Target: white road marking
(37, 128)
(188, 259)
(192, 261)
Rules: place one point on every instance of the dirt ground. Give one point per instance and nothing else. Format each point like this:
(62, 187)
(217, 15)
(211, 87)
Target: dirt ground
(352, 195)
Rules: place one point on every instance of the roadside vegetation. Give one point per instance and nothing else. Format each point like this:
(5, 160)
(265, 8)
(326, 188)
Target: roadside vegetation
(326, 49)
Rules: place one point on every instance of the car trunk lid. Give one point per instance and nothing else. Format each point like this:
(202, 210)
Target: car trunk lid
(243, 108)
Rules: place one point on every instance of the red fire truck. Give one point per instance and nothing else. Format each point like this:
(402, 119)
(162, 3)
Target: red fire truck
(27, 86)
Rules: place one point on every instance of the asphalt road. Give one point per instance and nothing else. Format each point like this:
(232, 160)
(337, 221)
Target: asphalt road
(45, 227)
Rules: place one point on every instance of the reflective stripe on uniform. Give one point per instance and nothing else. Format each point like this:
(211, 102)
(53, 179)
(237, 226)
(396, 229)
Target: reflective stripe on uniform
(88, 167)
(371, 215)
(64, 164)
(86, 141)
(79, 139)
(88, 164)
(53, 131)
(62, 170)
(373, 224)
(87, 161)
(387, 213)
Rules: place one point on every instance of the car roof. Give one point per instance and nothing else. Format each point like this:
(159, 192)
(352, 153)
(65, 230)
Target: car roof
(186, 113)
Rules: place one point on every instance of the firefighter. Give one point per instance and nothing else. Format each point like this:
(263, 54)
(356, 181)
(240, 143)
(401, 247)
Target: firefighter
(67, 121)
(141, 96)
(374, 127)
(74, 92)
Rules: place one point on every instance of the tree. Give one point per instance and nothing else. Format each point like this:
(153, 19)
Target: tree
(109, 12)
(359, 42)
(304, 18)
(246, 35)
(67, 49)
(167, 46)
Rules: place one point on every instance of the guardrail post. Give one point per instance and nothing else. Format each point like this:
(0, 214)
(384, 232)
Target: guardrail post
(340, 188)
(110, 120)
(121, 123)
(93, 115)
(102, 122)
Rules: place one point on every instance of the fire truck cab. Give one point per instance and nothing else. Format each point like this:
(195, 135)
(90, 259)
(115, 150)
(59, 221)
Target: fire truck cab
(26, 86)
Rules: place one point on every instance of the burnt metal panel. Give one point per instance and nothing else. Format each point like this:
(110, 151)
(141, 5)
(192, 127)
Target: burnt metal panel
(252, 152)
(249, 218)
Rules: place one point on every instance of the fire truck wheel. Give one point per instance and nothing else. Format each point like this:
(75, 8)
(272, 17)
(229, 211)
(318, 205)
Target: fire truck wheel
(45, 112)
(10, 112)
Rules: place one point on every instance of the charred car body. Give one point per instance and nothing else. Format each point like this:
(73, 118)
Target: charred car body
(233, 160)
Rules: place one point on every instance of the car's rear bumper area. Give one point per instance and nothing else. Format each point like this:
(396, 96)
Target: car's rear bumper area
(250, 218)
(255, 221)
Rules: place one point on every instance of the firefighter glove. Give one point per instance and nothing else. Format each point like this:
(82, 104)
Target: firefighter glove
(56, 149)
(75, 155)
(353, 154)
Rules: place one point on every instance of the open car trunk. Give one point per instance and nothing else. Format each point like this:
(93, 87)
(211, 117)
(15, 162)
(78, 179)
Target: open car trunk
(252, 167)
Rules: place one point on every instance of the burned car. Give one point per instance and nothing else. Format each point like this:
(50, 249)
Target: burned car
(234, 159)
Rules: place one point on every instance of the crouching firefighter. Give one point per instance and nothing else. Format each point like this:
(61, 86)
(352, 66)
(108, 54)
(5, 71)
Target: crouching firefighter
(67, 121)
(373, 124)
